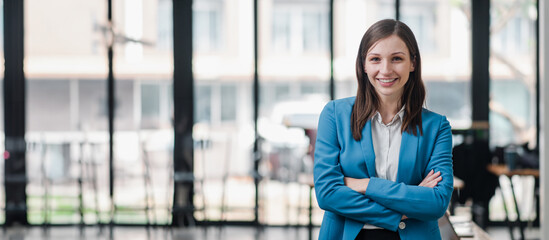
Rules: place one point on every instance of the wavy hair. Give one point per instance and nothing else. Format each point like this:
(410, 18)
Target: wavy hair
(367, 100)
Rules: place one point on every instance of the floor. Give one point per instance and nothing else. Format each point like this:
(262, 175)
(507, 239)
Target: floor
(199, 233)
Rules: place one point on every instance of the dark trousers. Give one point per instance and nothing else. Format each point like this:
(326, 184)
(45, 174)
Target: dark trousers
(377, 234)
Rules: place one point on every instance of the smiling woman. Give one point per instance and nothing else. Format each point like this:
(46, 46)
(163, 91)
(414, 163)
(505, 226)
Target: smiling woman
(393, 162)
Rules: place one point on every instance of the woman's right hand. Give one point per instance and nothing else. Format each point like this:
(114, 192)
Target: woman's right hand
(431, 180)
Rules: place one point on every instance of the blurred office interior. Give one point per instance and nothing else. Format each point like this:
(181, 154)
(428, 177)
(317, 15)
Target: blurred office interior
(193, 114)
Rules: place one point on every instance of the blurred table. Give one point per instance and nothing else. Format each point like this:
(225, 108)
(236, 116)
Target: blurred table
(503, 170)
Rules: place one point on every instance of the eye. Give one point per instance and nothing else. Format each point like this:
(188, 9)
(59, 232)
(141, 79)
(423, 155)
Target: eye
(375, 59)
(396, 59)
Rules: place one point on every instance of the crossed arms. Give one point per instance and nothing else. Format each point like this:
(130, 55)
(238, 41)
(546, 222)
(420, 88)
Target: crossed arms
(378, 201)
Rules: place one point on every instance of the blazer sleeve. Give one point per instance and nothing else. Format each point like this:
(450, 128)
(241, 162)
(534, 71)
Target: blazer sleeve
(332, 194)
(417, 202)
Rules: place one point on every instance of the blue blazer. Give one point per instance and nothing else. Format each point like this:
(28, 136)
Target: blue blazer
(338, 155)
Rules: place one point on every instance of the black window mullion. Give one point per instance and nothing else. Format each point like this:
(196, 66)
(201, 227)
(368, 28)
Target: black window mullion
(183, 107)
(256, 150)
(110, 108)
(15, 178)
(397, 9)
(331, 31)
(480, 77)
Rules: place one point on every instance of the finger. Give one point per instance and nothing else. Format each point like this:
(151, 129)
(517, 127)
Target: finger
(435, 182)
(438, 179)
(425, 183)
(432, 176)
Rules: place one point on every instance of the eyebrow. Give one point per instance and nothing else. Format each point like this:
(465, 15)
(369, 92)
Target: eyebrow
(395, 53)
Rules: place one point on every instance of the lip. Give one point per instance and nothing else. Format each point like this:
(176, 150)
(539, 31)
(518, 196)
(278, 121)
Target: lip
(386, 82)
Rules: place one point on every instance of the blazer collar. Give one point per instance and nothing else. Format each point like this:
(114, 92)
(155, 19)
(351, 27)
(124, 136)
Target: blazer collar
(407, 154)
(368, 149)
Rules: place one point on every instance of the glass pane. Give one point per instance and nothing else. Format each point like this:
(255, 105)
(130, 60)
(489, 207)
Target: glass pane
(513, 70)
(352, 19)
(65, 67)
(294, 86)
(143, 70)
(513, 95)
(223, 130)
(443, 32)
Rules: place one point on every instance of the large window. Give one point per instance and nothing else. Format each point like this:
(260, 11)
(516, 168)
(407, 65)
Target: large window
(512, 73)
(67, 111)
(65, 68)
(143, 147)
(223, 130)
(513, 96)
(294, 86)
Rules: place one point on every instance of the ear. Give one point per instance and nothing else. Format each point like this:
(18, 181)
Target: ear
(413, 65)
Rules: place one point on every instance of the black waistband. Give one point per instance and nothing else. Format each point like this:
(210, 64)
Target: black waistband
(367, 234)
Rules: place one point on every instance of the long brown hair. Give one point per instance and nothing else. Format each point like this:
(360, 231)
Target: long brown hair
(367, 101)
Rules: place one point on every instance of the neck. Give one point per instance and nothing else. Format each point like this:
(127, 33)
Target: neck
(388, 109)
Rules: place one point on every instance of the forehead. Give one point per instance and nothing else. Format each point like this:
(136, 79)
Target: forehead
(389, 45)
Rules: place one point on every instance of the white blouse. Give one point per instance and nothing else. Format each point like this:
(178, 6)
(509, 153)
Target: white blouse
(386, 139)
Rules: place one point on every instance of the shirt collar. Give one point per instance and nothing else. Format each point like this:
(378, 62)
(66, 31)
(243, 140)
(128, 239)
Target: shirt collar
(400, 114)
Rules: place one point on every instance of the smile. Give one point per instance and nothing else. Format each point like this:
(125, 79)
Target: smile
(387, 80)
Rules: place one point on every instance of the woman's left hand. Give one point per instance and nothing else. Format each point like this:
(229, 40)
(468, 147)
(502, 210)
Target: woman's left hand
(431, 180)
(358, 184)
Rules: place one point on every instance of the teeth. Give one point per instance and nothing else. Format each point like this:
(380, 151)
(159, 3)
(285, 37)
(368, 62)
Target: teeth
(387, 80)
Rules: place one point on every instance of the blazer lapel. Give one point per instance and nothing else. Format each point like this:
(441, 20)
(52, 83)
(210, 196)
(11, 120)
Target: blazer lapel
(407, 156)
(368, 149)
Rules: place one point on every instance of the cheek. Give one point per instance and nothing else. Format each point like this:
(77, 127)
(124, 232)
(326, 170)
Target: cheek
(404, 70)
(370, 70)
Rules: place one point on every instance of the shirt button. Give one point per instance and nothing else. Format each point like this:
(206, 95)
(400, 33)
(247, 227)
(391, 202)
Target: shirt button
(402, 225)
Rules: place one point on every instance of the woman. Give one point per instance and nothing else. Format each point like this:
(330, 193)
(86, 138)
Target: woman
(383, 163)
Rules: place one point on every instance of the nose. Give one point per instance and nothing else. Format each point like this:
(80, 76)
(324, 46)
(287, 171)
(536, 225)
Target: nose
(386, 67)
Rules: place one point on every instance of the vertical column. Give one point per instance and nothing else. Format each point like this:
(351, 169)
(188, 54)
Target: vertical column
(15, 178)
(183, 102)
(543, 41)
(480, 91)
(481, 54)
(257, 150)
(110, 107)
(397, 9)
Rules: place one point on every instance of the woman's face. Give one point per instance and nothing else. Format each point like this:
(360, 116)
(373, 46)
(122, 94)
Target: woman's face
(388, 66)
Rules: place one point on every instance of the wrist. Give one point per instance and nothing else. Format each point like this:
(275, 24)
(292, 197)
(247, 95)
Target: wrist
(365, 184)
